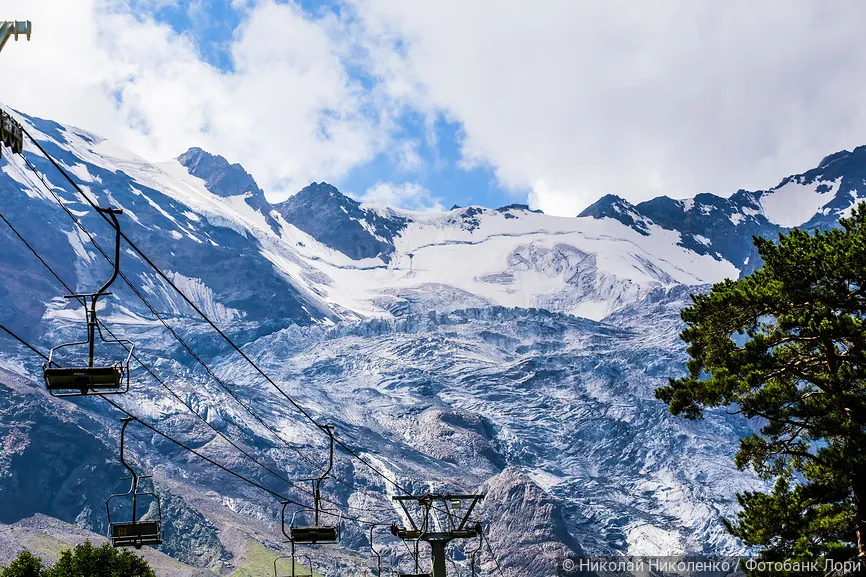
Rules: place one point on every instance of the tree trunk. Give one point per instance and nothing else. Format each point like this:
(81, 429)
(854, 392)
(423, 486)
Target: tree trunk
(860, 513)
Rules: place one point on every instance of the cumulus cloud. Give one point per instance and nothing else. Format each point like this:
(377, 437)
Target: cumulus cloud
(288, 111)
(408, 195)
(564, 101)
(572, 100)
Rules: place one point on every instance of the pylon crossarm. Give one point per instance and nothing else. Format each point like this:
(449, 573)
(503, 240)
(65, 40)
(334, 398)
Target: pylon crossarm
(402, 502)
(475, 500)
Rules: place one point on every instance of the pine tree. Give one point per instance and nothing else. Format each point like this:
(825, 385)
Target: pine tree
(105, 561)
(25, 565)
(83, 561)
(786, 345)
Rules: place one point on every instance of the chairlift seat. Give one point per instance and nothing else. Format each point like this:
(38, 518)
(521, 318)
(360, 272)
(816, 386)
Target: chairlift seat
(82, 380)
(136, 534)
(314, 534)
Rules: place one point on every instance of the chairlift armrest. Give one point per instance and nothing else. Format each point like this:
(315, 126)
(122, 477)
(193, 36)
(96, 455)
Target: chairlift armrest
(76, 296)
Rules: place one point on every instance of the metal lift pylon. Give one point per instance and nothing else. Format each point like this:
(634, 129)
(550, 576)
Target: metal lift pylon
(14, 28)
(453, 526)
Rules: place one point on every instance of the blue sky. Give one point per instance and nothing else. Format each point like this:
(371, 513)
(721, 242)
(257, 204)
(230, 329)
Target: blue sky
(212, 24)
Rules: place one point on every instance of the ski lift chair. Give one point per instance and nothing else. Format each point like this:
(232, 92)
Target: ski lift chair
(135, 533)
(315, 533)
(91, 378)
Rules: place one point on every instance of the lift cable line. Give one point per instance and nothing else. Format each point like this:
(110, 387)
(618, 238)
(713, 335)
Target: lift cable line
(23, 342)
(162, 382)
(486, 541)
(198, 310)
(166, 436)
(146, 367)
(219, 331)
(180, 339)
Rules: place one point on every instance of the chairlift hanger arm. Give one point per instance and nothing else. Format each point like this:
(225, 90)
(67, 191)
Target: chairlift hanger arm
(135, 533)
(126, 421)
(376, 553)
(112, 214)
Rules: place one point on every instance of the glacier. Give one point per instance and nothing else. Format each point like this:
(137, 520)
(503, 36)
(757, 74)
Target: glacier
(493, 349)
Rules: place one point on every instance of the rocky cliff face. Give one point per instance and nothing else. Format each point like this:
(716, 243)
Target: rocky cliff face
(341, 223)
(518, 502)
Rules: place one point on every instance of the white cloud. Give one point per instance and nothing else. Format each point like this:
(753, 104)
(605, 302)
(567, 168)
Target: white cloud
(565, 101)
(289, 112)
(409, 195)
(627, 97)
(408, 158)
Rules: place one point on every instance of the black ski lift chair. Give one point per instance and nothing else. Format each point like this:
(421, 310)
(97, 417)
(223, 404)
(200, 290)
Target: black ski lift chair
(315, 533)
(11, 133)
(292, 557)
(92, 379)
(135, 533)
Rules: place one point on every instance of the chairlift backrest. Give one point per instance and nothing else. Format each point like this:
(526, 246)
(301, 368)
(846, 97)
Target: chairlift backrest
(312, 534)
(92, 378)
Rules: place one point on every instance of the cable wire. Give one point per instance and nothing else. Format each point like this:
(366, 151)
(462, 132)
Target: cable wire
(177, 337)
(493, 554)
(165, 385)
(303, 411)
(158, 432)
(219, 331)
(216, 328)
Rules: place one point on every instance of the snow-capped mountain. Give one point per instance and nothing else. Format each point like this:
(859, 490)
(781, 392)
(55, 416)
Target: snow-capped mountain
(723, 227)
(500, 349)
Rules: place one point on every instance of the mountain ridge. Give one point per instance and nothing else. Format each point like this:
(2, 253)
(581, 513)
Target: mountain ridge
(475, 348)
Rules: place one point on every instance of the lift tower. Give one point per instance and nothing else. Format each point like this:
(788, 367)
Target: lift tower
(14, 28)
(438, 525)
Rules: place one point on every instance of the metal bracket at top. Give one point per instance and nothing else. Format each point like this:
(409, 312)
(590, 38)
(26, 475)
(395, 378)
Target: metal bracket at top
(14, 28)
